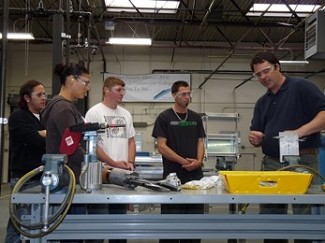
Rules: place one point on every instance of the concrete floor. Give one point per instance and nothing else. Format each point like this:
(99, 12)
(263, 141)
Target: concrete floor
(4, 212)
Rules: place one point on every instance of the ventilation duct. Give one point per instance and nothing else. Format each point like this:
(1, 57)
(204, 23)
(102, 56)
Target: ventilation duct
(315, 35)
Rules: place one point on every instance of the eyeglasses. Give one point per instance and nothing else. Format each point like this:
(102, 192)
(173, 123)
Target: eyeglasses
(39, 95)
(85, 82)
(118, 90)
(264, 71)
(183, 95)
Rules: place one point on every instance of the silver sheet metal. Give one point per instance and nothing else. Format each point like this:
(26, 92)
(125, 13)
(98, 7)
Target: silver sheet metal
(117, 194)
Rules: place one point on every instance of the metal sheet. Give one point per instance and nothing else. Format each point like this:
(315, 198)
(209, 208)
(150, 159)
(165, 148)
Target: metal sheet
(117, 194)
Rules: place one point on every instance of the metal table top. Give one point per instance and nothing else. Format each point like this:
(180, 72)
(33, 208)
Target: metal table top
(116, 194)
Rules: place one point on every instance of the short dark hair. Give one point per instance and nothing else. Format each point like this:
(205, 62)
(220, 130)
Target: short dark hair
(261, 57)
(27, 89)
(65, 70)
(177, 84)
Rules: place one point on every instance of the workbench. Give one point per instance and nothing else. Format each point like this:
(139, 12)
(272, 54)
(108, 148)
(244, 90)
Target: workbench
(152, 225)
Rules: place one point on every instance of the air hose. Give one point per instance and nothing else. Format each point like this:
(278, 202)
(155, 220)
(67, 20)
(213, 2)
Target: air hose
(54, 220)
(294, 166)
(310, 169)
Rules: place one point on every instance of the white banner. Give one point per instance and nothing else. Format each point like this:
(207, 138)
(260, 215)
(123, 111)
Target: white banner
(149, 87)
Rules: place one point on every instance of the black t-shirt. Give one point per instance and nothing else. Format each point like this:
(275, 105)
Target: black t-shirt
(182, 137)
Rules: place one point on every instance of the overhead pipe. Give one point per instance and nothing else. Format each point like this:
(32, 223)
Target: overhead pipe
(280, 43)
(231, 51)
(243, 82)
(57, 51)
(100, 46)
(151, 20)
(243, 14)
(208, 11)
(229, 72)
(291, 10)
(315, 73)
(192, 12)
(69, 13)
(283, 40)
(85, 102)
(67, 40)
(88, 45)
(92, 25)
(216, 70)
(234, 47)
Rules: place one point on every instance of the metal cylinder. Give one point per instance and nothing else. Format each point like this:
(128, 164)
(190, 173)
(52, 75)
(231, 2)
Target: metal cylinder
(93, 176)
(122, 177)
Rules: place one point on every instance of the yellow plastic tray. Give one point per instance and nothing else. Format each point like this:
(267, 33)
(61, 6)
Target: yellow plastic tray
(266, 182)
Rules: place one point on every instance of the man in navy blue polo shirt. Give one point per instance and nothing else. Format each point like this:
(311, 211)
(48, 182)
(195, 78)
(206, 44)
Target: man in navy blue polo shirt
(289, 104)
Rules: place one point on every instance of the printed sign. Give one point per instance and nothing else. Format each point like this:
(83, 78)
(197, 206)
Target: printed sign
(149, 87)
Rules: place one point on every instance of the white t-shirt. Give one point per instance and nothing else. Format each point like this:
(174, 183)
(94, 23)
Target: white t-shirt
(114, 141)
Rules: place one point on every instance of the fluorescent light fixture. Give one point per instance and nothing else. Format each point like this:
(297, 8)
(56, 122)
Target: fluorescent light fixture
(144, 6)
(302, 62)
(130, 41)
(19, 36)
(281, 10)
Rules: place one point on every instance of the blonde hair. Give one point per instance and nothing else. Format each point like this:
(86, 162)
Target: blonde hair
(111, 82)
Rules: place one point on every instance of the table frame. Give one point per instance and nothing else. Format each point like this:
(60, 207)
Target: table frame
(189, 226)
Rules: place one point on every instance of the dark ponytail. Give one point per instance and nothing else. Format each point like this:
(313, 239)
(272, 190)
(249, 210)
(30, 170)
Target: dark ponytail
(66, 70)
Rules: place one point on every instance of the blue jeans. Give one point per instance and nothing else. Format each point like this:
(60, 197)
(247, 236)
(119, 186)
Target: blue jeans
(12, 235)
(272, 164)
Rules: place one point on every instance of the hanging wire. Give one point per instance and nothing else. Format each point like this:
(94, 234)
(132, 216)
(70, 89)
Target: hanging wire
(27, 6)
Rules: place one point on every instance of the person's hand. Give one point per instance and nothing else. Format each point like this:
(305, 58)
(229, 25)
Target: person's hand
(125, 165)
(131, 166)
(255, 138)
(192, 165)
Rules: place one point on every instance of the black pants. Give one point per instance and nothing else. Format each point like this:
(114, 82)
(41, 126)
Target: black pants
(181, 209)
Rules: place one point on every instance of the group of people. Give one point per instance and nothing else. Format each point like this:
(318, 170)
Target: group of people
(289, 104)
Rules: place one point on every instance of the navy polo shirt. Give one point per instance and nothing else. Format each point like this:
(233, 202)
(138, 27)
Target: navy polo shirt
(296, 103)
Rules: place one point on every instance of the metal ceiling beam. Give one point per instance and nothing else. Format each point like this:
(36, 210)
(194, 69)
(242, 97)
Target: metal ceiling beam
(291, 10)
(243, 14)
(298, 26)
(136, 9)
(21, 13)
(224, 36)
(233, 48)
(228, 72)
(194, 22)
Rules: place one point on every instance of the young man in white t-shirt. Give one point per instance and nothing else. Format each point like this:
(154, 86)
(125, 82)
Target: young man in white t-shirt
(116, 146)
